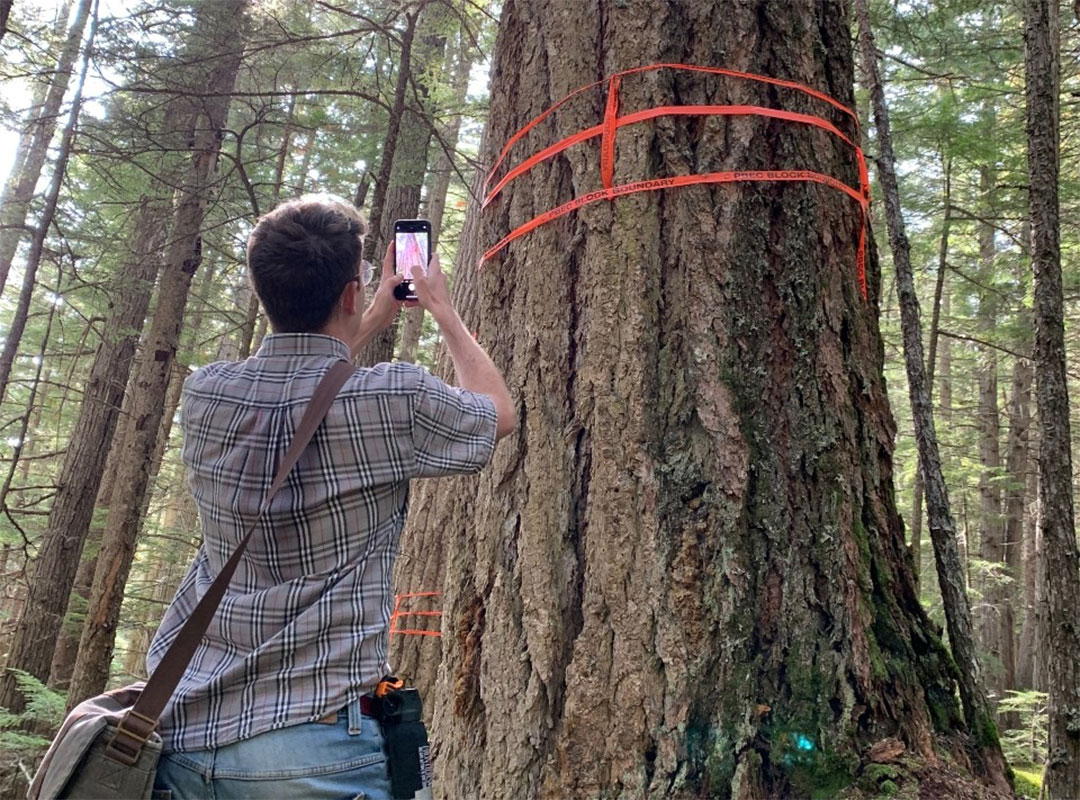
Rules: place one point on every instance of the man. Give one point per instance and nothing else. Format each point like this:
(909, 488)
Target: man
(270, 704)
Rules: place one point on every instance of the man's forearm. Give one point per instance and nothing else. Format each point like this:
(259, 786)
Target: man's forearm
(474, 368)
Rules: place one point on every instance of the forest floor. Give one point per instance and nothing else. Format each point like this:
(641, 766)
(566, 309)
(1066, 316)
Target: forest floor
(950, 778)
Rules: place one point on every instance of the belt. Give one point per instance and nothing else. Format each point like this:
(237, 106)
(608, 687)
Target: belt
(366, 708)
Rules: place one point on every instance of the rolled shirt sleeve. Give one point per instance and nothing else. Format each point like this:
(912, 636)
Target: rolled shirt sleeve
(453, 429)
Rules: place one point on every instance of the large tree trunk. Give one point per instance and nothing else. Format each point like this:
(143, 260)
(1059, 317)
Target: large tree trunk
(685, 575)
(950, 570)
(19, 191)
(223, 26)
(141, 631)
(67, 646)
(67, 643)
(1060, 635)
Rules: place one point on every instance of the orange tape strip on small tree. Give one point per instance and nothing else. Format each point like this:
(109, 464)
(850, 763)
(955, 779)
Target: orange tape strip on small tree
(612, 122)
(397, 614)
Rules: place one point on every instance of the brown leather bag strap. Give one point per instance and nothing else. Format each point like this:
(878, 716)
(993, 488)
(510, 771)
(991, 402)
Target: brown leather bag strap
(141, 720)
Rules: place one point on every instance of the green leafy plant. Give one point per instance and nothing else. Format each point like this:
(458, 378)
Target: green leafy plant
(44, 711)
(1025, 744)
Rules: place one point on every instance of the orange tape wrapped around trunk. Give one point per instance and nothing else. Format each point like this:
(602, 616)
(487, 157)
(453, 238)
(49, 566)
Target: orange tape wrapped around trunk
(612, 122)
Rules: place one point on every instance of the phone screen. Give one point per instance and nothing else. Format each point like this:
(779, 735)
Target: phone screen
(411, 248)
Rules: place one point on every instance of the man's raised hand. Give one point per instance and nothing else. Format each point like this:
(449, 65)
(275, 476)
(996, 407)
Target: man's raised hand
(432, 291)
(384, 306)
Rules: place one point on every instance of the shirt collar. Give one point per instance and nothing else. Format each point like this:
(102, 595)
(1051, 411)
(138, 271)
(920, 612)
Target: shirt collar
(303, 344)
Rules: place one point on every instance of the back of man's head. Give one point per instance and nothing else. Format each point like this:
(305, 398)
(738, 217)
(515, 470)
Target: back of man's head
(300, 256)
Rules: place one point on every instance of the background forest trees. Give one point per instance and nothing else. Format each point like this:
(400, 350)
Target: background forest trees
(105, 108)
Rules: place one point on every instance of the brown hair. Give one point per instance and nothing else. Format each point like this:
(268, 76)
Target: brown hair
(300, 256)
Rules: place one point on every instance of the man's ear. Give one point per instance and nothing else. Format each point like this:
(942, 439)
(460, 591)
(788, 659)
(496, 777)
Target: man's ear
(350, 299)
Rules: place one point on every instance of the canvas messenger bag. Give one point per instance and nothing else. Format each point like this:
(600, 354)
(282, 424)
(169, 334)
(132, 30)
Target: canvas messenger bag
(108, 746)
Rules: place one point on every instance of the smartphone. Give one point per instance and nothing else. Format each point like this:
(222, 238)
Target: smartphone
(412, 251)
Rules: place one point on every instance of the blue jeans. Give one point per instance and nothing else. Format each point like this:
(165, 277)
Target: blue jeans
(342, 761)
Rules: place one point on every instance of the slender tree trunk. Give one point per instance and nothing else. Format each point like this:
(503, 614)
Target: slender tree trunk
(180, 520)
(37, 245)
(84, 461)
(77, 364)
(40, 132)
(991, 531)
(362, 189)
(223, 24)
(9, 572)
(439, 185)
(247, 333)
(260, 331)
(139, 640)
(67, 642)
(1030, 668)
(13, 467)
(58, 556)
(381, 219)
(991, 522)
(34, 117)
(1016, 461)
(31, 400)
(230, 347)
(411, 329)
(174, 391)
(202, 292)
(945, 401)
(1060, 635)
(950, 570)
(931, 363)
(685, 574)
(5, 14)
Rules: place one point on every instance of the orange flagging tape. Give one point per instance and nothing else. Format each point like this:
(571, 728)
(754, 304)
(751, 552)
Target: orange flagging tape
(612, 122)
(397, 614)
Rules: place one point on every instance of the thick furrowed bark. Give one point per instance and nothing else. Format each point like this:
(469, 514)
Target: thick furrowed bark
(684, 575)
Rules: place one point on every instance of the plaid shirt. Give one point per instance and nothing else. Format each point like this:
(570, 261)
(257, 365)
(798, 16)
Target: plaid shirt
(302, 630)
